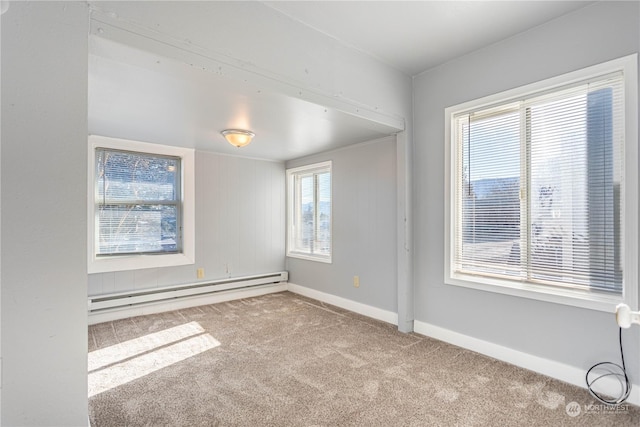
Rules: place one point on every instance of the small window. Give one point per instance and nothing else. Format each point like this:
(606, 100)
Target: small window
(138, 203)
(309, 212)
(139, 217)
(538, 191)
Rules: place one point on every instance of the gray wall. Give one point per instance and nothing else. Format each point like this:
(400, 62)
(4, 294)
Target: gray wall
(240, 226)
(577, 337)
(364, 226)
(44, 163)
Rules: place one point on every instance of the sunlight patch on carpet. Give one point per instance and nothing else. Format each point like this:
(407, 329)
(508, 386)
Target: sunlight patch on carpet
(124, 362)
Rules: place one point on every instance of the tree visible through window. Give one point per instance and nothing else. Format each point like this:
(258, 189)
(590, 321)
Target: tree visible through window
(138, 203)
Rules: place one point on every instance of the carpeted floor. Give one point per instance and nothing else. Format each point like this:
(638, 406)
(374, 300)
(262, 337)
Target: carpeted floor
(286, 360)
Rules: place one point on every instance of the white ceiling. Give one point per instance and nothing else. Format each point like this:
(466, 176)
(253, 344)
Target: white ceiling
(414, 36)
(142, 96)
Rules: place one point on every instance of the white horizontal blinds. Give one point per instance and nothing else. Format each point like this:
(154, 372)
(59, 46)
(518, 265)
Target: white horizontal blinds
(322, 242)
(576, 151)
(305, 212)
(557, 163)
(489, 233)
(138, 203)
(312, 211)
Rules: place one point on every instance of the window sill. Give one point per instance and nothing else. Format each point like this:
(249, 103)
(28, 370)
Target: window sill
(572, 297)
(137, 262)
(318, 258)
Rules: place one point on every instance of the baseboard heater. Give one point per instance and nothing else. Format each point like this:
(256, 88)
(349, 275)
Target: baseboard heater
(128, 299)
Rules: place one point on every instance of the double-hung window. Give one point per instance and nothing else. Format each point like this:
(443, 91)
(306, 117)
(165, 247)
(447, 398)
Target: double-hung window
(140, 207)
(309, 212)
(542, 201)
(138, 203)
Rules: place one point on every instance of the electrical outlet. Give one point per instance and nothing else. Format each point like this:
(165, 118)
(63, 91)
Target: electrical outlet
(200, 273)
(356, 281)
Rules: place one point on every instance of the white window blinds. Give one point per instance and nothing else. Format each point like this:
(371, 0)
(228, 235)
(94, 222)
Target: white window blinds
(538, 188)
(309, 218)
(138, 203)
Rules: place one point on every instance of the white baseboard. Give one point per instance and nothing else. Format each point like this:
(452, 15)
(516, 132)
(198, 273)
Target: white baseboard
(347, 304)
(186, 302)
(560, 371)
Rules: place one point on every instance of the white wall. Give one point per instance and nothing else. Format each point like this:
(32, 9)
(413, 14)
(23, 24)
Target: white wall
(240, 220)
(4, 8)
(44, 151)
(364, 227)
(572, 336)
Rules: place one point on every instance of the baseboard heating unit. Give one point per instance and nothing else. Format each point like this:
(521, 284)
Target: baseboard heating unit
(172, 295)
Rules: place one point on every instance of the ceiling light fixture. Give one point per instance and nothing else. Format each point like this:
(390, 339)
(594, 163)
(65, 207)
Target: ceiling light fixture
(238, 137)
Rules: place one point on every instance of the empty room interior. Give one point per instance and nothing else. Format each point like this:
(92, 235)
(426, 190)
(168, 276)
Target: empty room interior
(319, 213)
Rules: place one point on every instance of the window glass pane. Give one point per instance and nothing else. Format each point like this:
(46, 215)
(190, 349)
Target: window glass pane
(137, 229)
(490, 205)
(574, 225)
(137, 203)
(323, 236)
(306, 223)
(123, 176)
(558, 190)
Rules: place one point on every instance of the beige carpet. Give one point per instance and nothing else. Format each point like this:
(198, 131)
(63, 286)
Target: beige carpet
(285, 360)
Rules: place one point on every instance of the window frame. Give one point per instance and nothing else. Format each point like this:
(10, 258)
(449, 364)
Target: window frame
(111, 263)
(573, 297)
(316, 168)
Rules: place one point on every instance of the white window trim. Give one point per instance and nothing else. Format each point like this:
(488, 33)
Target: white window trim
(576, 298)
(290, 212)
(134, 262)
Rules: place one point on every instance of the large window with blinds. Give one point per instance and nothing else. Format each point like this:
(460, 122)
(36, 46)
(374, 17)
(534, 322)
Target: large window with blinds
(309, 212)
(539, 188)
(141, 207)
